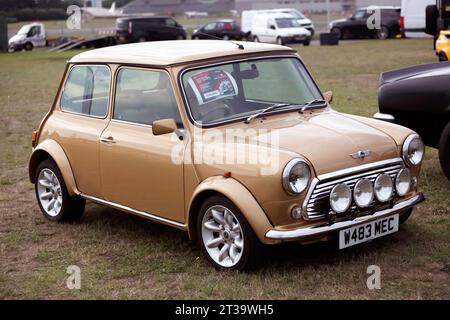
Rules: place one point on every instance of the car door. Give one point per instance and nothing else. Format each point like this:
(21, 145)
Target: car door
(84, 105)
(36, 36)
(357, 24)
(138, 169)
(209, 29)
(271, 31)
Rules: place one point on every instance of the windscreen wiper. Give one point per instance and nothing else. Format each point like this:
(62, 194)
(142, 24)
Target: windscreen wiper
(311, 103)
(272, 107)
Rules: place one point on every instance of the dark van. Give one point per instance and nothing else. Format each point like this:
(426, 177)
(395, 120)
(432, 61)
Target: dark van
(141, 29)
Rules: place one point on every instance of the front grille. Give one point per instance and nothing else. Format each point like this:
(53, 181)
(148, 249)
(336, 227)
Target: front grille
(317, 205)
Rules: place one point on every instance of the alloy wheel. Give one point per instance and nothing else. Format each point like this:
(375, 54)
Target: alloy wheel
(222, 236)
(49, 192)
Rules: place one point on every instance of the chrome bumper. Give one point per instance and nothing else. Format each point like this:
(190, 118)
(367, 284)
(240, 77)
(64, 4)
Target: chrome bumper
(297, 234)
(384, 117)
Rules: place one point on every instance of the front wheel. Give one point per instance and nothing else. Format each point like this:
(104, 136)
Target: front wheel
(405, 216)
(444, 151)
(28, 46)
(226, 238)
(51, 192)
(443, 56)
(280, 41)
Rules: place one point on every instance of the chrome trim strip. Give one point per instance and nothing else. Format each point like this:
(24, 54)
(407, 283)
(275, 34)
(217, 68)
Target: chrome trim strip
(324, 229)
(363, 167)
(136, 212)
(384, 117)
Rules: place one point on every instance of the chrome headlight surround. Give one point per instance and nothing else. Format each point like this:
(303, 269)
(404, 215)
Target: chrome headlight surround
(296, 177)
(413, 150)
(363, 193)
(341, 198)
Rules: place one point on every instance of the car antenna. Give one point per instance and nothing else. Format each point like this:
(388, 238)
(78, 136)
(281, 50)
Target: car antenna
(239, 45)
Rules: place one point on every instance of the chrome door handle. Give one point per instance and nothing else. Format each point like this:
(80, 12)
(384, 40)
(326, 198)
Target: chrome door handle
(107, 140)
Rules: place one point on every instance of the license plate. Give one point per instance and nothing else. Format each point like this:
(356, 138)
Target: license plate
(368, 231)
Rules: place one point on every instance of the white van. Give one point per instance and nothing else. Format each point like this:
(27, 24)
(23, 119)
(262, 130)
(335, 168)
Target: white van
(280, 28)
(28, 37)
(412, 18)
(247, 16)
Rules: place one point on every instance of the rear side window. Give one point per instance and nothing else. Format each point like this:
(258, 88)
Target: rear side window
(144, 96)
(86, 91)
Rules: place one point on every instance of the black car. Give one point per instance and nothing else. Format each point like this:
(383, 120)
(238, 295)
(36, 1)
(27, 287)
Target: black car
(141, 29)
(356, 26)
(419, 98)
(223, 29)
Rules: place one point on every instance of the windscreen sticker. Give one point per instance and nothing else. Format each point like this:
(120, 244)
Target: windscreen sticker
(212, 85)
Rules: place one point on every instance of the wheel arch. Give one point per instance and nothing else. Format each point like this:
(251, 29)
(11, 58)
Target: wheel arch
(236, 193)
(50, 149)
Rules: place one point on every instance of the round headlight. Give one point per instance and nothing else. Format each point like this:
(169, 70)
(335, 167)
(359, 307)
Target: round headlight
(340, 198)
(413, 150)
(296, 176)
(363, 193)
(403, 182)
(383, 187)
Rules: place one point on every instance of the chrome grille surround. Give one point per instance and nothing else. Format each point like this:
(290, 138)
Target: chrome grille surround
(316, 204)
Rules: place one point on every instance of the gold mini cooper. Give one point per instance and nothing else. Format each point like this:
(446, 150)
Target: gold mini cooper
(232, 142)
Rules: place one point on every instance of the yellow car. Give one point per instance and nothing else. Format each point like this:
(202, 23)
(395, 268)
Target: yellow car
(443, 45)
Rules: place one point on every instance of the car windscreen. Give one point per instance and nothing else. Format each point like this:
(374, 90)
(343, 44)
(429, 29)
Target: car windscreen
(235, 90)
(24, 30)
(295, 14)
(287, 23)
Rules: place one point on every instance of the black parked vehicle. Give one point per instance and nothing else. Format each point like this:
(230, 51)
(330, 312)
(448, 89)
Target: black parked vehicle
(223, 29)
(419, 98)
(141, 29)
(356, 25)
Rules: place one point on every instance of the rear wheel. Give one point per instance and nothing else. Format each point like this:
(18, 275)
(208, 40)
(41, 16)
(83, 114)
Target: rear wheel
(444, 151)
(54, 201)
(255, 39)
(226, 37)
(338, 32)
(180, 37)
(280, 41)
(142, 39)
(28, 46)
(307, 42)
(383, 33)
(226, 238)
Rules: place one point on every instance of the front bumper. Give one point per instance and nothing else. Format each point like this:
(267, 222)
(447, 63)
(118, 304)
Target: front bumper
(325, 229)
(16, 46)
(297, 39)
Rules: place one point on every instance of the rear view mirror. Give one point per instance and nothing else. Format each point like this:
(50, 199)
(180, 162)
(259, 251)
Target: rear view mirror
(248, 74)
(328, 96)
(164, 126)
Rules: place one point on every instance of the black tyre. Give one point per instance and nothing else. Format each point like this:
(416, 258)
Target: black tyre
(383, 33)
(255, 39)
(405, 216)
(142, 39)
(307, 42)
(226, 238)
(443, 56)
(338, 31)
(444, 151)
(28, 46)
(51, 193)
(280, 41)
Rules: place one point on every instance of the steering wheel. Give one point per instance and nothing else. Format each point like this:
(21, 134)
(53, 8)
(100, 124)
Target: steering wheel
(217, 111)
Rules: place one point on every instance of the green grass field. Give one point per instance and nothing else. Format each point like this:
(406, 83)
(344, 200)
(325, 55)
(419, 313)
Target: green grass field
(122, 256)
